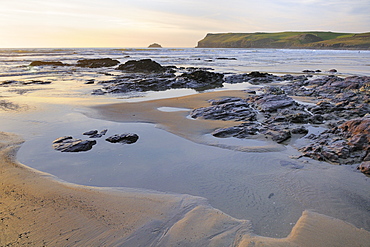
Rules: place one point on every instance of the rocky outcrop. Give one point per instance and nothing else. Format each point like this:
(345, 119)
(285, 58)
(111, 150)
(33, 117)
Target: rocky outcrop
(97, 63)
(342, 108)
(127, 138)
(47, 63)
(151, 76)
(199, 79)
(154, 45)
(87, 63)
(95, 133)
(254, 78)
(226, 109)
(364, 167)
(346, 144)
(69, 144)
(142, 66)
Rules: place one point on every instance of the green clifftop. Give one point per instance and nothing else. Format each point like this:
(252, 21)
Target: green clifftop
(310, 40)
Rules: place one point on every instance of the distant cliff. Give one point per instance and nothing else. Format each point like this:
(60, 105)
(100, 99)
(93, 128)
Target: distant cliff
(287, 40)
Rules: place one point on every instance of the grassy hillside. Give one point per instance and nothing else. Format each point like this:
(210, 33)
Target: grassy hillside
(317, 40)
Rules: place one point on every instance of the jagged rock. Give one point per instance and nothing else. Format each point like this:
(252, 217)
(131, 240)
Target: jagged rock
(47, 63)
(199, 79)
(243, 130)
(364, 167)
(255, 78)
(142, 66)
(127, 138)
(69, 144)
(97, 63)
(280, 135)
(270, 103)
(95, 133)
(91, 132)
(226, 109)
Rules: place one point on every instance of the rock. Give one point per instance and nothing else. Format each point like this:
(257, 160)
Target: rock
(47, 63)
(244, 130)
(97, 63)
(364, 167)
(309, 71)
(255, 78)
(333, 71)
(155, 45)
(226, 58)
(142, 66)
(91, 132)
(270, 103)
(95, 134)
(199, 79)
(90, 81)
(226, 109)
(280, 135)
(69, 144)
(127, 138)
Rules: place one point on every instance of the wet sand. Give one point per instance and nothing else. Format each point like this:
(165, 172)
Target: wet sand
(177, 122)
(36, 209)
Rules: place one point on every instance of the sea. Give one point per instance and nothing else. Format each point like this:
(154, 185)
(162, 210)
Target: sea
(267, 187)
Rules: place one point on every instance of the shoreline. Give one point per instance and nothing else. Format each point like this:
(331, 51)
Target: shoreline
(37, 209)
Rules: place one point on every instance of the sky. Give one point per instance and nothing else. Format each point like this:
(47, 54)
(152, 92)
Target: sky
(171, 23)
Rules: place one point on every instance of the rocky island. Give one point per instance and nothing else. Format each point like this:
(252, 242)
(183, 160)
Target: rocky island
(287, 40)
(155, 45)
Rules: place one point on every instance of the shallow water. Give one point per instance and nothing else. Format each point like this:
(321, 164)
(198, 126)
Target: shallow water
(268, 188)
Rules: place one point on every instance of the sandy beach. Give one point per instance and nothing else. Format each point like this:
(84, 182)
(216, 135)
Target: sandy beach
(178, 185)
(37, 209)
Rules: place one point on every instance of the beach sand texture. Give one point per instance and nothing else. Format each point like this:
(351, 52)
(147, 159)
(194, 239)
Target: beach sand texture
(36, 209)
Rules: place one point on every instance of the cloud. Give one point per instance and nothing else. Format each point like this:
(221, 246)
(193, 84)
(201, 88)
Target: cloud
(78, 19)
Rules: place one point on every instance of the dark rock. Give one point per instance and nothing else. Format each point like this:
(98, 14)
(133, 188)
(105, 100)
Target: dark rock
(95, 133)
(142, 66)
(47, 63)
(316, 119)
(301, 130)
(226, 58)
(333, 71)
(244, 130)
(346, 144)
(255, 78)
(127, 138)
(90, 81)
(270, 103)
(97, 63)
(91, 132)
(273, 90)
(226, 109)
(69, 144)
(199, 79)
(280, 135)
(364, 167)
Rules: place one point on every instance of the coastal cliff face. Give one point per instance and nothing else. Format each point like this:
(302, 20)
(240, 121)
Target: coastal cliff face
(287, 40)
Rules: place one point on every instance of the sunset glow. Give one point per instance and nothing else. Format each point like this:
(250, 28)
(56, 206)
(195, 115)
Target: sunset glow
(127, 23)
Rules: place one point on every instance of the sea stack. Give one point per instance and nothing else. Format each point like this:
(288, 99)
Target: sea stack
(155, 45)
